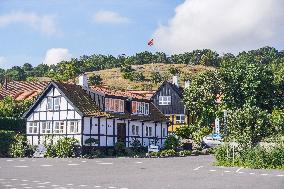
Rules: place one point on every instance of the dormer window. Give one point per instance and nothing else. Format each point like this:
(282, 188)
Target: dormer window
(165, 100)
(114, 105)
(140, 108)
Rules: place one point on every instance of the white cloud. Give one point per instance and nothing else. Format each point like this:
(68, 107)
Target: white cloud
(222, 25)
(2, 60)
(43, 23)
(56, 55)
(110, 17)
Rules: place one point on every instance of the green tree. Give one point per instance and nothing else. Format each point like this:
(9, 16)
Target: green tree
(95, 80)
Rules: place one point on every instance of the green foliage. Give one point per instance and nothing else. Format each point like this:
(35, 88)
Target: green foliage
(136, 146)
(185, 153)
(91, 141)
(65, 147)
(12, 108)
(95, 80)
(277, 121)
(200, 97)
(200, 133)
(248, 125)
(186, 131)
(171, 143)
(156, 77)
(32, 78)
(168, 153)
(19, 147)
(13, 124)
(174, 71)
(6, 139)
(253, 157)
(119, 148)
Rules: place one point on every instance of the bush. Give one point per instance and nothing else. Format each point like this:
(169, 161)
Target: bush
(13, 124)
(65, 147)
(253, 157)
(119, 148)
(154, 154)
(168, 153)
(6, 139)
(185, 153)
(20, 147)
(171, 143)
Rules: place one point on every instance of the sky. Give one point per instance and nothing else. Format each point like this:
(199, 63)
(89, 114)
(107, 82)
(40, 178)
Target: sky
(49, 31)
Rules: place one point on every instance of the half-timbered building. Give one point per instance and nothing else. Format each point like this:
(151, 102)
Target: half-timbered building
(82, 112)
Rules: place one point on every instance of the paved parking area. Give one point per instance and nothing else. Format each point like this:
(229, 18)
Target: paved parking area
(132, 173)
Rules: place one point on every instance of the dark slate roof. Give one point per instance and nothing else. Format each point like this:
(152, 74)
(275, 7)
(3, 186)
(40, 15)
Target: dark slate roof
(80, 99)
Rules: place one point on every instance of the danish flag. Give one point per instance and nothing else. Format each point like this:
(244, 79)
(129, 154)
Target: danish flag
(151, 42)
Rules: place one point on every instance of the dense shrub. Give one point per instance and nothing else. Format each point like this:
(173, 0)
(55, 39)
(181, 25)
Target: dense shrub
(185, 153)
(171, 143)
(20, 147)
(119, 148)
(13, 124)
(6, 139)
(65, 147)
(168, 153)
(252, 157)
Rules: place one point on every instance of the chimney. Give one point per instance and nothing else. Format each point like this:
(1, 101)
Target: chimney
(83, 81)
(175, 80)
(186, 84)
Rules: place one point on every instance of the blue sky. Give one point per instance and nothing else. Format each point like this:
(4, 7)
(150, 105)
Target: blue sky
(76, 28)
(49, 31)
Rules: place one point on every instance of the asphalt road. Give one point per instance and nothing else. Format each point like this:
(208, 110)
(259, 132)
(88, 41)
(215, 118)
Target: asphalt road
(132, 173)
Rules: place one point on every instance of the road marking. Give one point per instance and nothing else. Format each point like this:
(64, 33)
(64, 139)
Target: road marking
(22, 160)
(83, 161)
(98, 161)
(13, 179)
(264, 174)
(111, 187)
(280, 175)
(82, 185)
(252, 173)
(21, 166)
(69, 184)
(46, 165)
(8, 185)
(25, 180)
(73, 164)
(240, 172)
(212, 170)
(197, 168)
(35, 181)
(54, 185)
(9, 160)
(105, 163)
(138, 162)
(123, 188)
(27, 187)
(97, 186)
(239, 169)
(41, 186)
(24, 184)
(227, 171)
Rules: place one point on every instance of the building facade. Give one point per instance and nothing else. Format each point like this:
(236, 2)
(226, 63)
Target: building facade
(83, 113)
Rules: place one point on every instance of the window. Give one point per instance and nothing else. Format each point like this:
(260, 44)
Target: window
(46, 127)
(140, 108)
(114, 105)
(164, 132)
(180, 118)
(73, 127)
(56, 103)
(49, 103)
(59, 127)
(148, 131)
(164, 100)
(135, 130)
(33, 128)
(51, 106)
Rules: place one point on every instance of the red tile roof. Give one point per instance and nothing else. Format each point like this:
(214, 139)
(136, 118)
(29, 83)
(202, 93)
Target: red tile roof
(21, 90)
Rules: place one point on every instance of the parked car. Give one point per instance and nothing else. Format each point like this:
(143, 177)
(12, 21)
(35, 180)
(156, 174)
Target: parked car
(211, 140)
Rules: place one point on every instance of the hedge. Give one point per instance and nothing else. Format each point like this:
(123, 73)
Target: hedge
(13, 124)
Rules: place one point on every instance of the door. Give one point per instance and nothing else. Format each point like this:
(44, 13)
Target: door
(121, 132)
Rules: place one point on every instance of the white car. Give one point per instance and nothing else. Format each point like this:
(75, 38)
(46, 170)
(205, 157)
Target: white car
(212, 140)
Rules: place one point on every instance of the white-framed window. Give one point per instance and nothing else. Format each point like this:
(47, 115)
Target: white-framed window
(114, 105)
(59, 127)
(33, 127)
(56, 103)
(164, 132)
(165, 100)
(49, 103)
(46, 127)
(135, 130)
(149, 131)
(140, 108)
(73, 127)
(53, 103)
(180, 118)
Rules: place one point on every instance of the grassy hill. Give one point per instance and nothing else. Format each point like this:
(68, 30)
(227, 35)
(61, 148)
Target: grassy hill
(113, 77)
